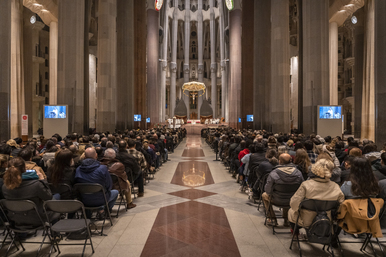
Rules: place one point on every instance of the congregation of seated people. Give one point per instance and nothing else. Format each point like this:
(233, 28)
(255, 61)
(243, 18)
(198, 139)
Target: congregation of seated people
(35, 169)
(350, 172)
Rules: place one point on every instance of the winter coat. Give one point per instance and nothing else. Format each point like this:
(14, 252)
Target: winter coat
(33, 166)
(378, 170)
(91, 171)
(284, 175)
(353, 216)
(130, 163)
(255, 159)
(117, 168)
(315, 188)
(35, 190)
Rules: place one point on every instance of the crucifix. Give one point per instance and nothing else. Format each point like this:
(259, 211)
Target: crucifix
(194, 94)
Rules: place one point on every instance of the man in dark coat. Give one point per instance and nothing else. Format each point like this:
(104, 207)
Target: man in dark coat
(91, 171)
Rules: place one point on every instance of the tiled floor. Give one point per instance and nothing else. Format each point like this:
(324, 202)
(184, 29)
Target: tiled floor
(211, 218)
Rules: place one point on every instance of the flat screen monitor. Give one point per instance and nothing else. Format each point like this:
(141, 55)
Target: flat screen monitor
(239, 119)
(330, 112)
(137, 117)
(250, 118)
(147, 120)
(55, 112)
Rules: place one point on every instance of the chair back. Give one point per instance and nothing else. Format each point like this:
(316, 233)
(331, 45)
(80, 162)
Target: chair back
(63, 206)
(282, 193)
(263, 181)
(60, 188)
(319, 205)
(20, 207)
(115, 180)
(89, 188)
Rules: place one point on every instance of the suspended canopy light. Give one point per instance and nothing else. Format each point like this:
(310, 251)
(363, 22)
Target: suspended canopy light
(158, 4)
(193, 86)
(230, 4)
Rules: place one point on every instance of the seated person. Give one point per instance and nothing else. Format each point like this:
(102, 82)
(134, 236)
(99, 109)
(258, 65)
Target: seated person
(117, 168)
(362, 182)
(26, 154)
(22, 184)
(91, 171)
(285, 173)
(62, 172)
(318, 187)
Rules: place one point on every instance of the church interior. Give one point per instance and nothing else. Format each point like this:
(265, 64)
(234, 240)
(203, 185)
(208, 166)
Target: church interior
(191, 78)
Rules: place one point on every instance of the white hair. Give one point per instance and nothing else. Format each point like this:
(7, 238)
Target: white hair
(110, 153)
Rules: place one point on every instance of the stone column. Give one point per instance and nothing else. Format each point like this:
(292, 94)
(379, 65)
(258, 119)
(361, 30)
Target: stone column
(164, 63)
(5, 68)
(71, 39)
(247, 63)
(235, 48)
(107, 65)
(17, 73)
(316, 90)
(213, 65)
(152, 64)
(53, 55)
(380, 75)
(186, 54)
(262, 64)
(28, 66)
(125, 65)
(92, 89)
(140, 90)
(200, 71)
(333, 63)
(224, 88)
(368, 94)
(359, 43)
(173, 64)
(280, 67)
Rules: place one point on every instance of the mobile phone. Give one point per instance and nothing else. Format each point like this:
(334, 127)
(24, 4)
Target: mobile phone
(30, 171)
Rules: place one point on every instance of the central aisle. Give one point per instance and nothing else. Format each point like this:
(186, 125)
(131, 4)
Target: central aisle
(191, 228)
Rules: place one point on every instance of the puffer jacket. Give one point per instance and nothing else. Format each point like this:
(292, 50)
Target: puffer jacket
(285, 175)
(91, 171)
(315, 188)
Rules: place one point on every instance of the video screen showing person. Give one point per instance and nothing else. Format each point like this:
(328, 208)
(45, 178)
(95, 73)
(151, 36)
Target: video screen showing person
(55, 112)
(147, 120)
(249, 118)
(137, 117)
(330, 112)
(239, 120)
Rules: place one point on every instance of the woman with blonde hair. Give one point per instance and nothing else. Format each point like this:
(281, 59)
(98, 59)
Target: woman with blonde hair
(318, 187)
(303, 162)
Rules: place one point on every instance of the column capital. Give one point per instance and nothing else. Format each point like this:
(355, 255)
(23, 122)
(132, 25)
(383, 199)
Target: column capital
(213, 67)
(173, 67)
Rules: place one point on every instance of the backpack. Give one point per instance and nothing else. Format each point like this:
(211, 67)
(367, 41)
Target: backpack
(320, 230)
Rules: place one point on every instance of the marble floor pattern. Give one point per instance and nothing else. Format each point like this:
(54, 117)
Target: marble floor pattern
(215, 219)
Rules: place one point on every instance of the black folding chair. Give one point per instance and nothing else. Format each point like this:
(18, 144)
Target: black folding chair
(61, 189)
(134, 191)
(23, 208)
(281, 197)
(90, 189)
(115, 180)
(317, 206)
(261, 183)
(69, 225)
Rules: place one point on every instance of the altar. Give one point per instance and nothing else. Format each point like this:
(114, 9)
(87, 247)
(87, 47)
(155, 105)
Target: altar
(193, 122)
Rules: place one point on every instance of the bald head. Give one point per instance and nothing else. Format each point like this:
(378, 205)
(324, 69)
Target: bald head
(284, 159)
(90, 153)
